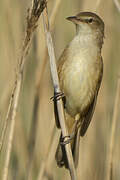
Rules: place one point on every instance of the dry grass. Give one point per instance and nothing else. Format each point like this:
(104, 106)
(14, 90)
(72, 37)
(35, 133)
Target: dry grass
(34, 127)
(32, 19)
(56, 86)
(113, 134)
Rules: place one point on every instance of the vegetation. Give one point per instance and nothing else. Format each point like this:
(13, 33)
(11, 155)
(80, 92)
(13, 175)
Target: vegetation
(29, 150)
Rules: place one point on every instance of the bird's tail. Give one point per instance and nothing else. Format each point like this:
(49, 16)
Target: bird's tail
(61, 157)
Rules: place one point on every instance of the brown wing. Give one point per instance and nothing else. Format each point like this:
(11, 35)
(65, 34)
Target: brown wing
(89, 113)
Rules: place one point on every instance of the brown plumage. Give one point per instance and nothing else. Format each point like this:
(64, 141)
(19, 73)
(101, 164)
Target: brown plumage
(80, 70)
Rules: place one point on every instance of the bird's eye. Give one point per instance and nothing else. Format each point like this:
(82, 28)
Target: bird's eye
(90, 20)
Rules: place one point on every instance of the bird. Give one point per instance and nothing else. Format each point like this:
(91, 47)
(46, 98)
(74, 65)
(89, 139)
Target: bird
(80, 71)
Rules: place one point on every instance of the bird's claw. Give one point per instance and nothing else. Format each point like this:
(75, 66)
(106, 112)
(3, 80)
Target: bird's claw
(57, 96)
(67, 141)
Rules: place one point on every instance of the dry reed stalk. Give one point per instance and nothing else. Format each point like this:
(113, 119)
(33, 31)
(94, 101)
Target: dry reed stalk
(47, 163)
(6, 122)
(20, 147)
(40, 74)
(113, 130)
(52, 21)
(97, 4)
(13, 105)
(117, 4)
(55, 80)
(32, 19)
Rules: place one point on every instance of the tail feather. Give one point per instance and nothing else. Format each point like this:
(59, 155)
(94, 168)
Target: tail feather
(61, 157)
(76, 147)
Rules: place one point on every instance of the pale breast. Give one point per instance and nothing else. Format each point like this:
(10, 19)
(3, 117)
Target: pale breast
(78, 78)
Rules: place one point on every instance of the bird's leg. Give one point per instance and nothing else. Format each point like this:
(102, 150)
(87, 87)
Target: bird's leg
(74, 130)
(57, 96)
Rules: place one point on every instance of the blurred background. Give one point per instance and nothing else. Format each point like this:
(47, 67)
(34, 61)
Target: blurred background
(35, 136)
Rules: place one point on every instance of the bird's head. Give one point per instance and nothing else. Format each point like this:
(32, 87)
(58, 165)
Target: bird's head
(88, 22)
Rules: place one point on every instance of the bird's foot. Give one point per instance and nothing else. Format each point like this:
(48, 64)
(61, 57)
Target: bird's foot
(57, 96)
(66, 139)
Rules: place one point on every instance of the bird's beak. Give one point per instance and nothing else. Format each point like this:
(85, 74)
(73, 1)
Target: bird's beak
(72, 18)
